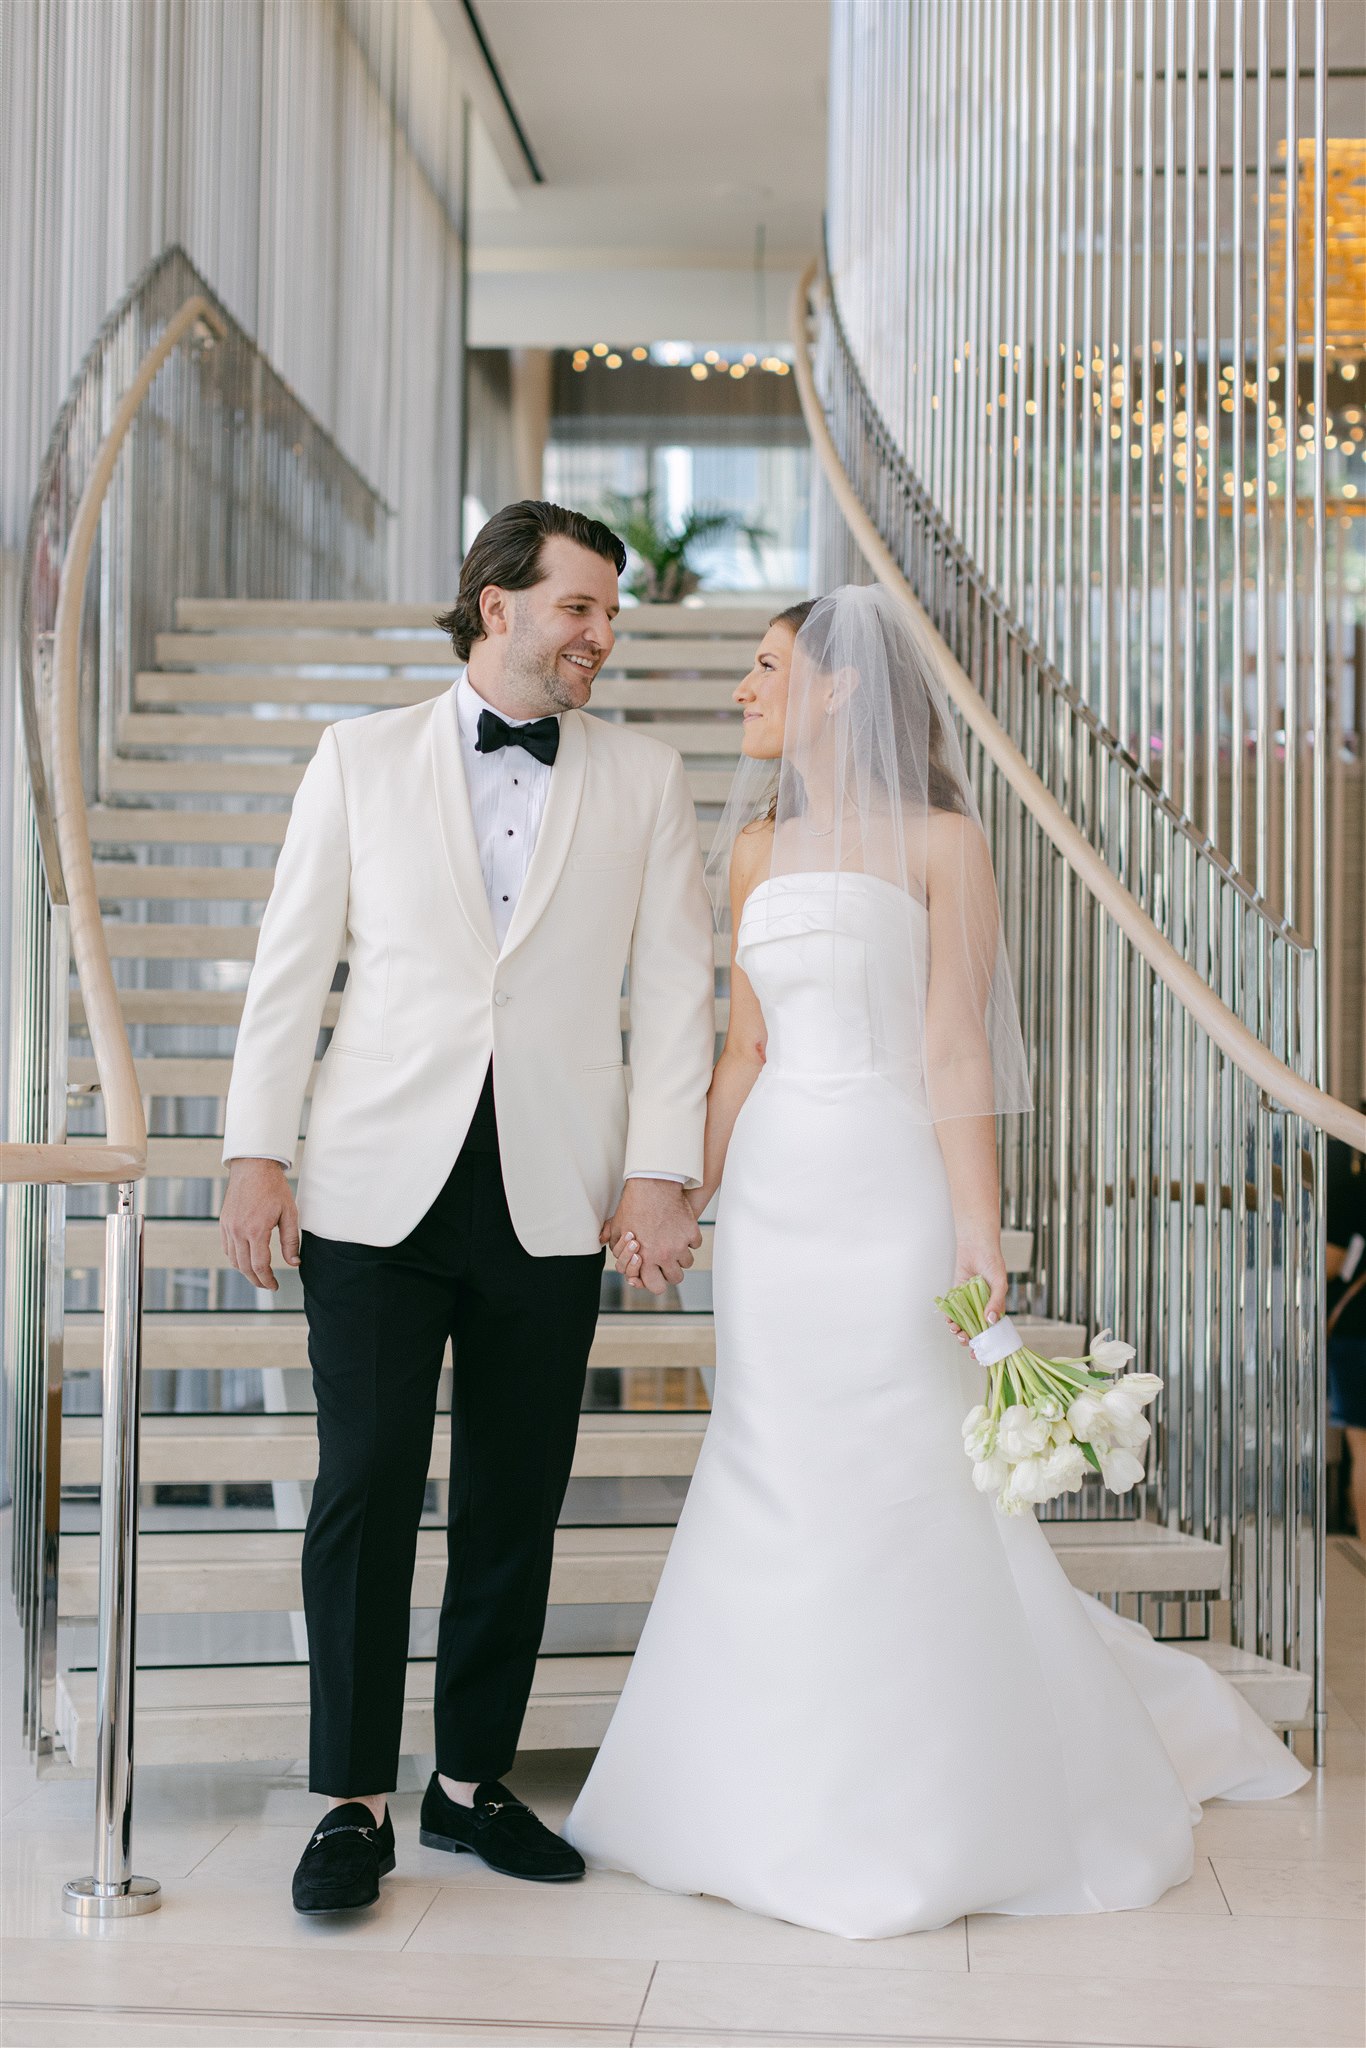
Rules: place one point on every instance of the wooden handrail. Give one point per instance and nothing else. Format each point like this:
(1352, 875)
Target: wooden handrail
(1214, 1017)
(122, 1153)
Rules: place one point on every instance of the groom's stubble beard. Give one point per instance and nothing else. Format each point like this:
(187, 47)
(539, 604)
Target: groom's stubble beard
(532, 670)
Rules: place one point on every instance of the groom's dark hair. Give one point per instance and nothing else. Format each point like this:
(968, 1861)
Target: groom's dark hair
(506, 552)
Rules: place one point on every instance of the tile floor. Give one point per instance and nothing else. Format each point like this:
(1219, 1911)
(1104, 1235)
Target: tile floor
(1262, 1949)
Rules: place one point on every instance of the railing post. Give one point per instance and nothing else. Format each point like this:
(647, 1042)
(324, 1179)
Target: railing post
(113, 1892)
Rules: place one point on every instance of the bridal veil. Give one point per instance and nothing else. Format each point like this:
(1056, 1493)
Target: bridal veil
(872, 791)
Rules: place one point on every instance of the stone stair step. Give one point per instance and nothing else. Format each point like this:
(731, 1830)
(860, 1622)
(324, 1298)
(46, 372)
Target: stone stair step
(129, 777)
(292, 614)
(612, 691)
(141, 881)
(309, 647)
(136, 939)
(141, 825)
(193, 1244)
(245, 1340)
(253, 1713)
(171, 1075)
(432, 650)
(1137, 1557)
(200, 1713)
(222, 729)
(204, 1009)
(378, 615)
(1279, 1693)
(228, 1340)
(194, 1159)
(255, 1450)
(124, 777)
(256, 1571)
(299, 735)
(221, 1008)
(155, 687)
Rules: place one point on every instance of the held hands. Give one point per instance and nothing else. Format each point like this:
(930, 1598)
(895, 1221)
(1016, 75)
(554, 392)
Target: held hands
(258, 1201)
(653, 1234)
(981, 1253)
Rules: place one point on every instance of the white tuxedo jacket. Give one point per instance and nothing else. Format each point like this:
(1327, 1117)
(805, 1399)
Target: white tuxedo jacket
(380, 868)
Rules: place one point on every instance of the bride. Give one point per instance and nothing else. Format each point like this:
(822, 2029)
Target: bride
(865, 1700)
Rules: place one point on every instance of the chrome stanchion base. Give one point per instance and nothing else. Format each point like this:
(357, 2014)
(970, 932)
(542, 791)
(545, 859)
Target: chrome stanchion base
(140, 1895)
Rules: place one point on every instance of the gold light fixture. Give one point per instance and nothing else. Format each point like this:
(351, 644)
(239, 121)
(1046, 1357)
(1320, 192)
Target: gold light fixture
(1345, 205)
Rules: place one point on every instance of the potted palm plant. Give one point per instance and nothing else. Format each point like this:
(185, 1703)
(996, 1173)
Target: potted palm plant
(666, 573)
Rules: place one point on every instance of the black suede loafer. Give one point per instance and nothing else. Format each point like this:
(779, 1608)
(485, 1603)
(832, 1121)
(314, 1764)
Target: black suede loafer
(499, 1829)
(346, 1857)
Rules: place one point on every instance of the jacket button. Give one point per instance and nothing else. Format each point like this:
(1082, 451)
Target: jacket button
(501, 997)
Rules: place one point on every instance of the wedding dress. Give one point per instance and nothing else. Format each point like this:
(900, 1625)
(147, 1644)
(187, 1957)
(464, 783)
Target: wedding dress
(865, 1700)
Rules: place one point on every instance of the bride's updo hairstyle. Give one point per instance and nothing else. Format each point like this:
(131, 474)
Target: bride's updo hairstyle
(876, 842)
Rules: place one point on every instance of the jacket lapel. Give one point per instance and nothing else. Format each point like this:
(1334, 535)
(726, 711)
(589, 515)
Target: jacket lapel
(557, 829)
(457, 821)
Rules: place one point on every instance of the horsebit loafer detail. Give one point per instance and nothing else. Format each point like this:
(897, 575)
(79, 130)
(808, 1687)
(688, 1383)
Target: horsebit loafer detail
(346, 1857)
(501, 1830)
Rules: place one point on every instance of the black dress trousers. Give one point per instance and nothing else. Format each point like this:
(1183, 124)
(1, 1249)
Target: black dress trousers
(379, 1317)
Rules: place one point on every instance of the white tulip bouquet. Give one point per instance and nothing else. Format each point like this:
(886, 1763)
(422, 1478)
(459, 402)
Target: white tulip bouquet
(1046, 1422)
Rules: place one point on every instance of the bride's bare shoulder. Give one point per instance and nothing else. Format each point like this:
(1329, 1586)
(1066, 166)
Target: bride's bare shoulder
(750, 858)
(752, 851)
(955, 847)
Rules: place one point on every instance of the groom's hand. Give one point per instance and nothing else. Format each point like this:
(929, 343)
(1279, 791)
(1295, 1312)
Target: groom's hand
(653, 1234)
(258, 1202)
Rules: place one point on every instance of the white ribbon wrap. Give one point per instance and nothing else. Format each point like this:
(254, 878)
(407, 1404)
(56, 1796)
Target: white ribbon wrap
(996, 1343)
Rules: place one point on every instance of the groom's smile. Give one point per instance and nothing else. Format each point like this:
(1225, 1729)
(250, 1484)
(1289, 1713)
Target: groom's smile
(549, 639)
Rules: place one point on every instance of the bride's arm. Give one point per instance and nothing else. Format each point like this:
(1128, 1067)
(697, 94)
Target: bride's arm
(964, 934)
(742, 1055)
(742, 1058)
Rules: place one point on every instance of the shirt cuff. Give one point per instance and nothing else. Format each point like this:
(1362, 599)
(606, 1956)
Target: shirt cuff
(680, 1179)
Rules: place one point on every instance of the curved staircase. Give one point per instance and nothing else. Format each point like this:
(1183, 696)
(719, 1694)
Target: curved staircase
(193, 802)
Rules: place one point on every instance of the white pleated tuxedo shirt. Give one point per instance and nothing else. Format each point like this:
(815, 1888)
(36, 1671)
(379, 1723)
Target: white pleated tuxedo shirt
(507, 800)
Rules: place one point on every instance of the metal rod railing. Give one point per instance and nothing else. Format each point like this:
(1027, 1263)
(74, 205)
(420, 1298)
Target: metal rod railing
(112, 1891)
(1227, 1030)
(227, 486)
(1165, 1071)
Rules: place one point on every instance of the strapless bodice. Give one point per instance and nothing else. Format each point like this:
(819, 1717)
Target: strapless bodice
(838, 962)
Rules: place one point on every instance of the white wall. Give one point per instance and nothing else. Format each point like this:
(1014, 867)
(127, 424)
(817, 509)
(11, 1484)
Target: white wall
(571, 305)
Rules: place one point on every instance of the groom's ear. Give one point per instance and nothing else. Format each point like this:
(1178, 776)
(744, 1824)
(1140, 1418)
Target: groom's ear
(495, 610)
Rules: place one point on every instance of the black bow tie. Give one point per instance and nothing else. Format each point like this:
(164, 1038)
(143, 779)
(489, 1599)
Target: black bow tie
(541, 738)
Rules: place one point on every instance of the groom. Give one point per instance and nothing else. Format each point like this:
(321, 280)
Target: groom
(489, 864)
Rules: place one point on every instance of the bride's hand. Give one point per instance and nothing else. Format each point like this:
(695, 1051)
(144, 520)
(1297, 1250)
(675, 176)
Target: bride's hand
(984, 1256)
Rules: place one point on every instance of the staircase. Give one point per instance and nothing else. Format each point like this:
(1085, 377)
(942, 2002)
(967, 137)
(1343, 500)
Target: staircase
(193, 801)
